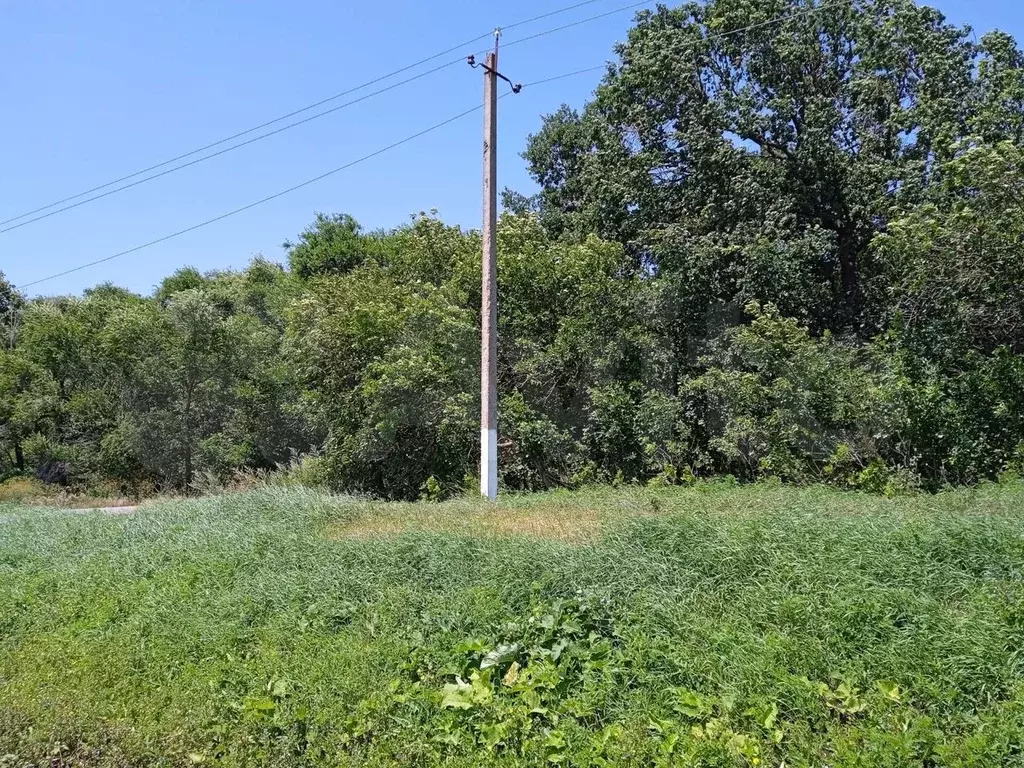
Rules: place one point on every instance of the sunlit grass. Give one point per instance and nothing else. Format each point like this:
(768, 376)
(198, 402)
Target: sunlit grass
(569, 523)
(703, 626)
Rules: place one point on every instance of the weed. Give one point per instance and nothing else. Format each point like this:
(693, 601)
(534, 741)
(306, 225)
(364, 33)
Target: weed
(715, 625)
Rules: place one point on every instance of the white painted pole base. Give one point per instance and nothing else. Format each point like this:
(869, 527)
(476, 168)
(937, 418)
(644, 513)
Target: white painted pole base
(489, 463)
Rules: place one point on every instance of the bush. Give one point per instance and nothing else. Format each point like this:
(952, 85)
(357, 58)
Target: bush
(22, 489)
(534, 453)
(308, 470)
(957, 427)
(776, 402)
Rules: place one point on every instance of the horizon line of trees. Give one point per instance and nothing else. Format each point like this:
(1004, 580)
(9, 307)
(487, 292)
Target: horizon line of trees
(796, 251)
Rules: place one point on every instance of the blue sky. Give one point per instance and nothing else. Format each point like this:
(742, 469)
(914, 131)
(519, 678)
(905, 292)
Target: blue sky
(96, 90)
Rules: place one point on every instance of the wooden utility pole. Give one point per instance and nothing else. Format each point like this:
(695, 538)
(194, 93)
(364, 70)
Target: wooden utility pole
(489, 305)
(489, 293)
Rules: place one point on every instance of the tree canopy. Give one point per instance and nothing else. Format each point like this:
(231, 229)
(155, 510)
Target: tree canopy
(782, 239)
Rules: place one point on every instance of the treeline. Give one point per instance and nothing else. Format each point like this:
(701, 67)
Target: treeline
(789, 249)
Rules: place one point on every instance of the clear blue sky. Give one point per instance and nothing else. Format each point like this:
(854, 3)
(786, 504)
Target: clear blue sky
(95, 90)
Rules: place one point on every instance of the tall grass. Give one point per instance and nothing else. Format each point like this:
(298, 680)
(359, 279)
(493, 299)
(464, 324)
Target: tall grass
(708, 626)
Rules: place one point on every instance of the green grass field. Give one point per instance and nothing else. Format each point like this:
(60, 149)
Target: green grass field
(712, 626)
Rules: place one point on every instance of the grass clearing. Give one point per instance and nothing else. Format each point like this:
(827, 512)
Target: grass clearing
(26, 491)
(558, 522)
(711, 626)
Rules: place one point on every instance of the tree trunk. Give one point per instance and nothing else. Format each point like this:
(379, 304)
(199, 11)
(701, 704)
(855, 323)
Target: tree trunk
(850, 282)
(19, 456)
(851, 299)
(188, 467)
(188, 438)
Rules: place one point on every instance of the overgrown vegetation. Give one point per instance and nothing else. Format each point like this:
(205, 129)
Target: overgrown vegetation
(793, 251)
(712, 626)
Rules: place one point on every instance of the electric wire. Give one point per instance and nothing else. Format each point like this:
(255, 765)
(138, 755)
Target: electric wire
(295, 124)
(381, 151)
(293, 113)
(261, 201)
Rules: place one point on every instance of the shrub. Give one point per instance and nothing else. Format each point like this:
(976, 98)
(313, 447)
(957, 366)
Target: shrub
(22, 489)
(534, 453)
(775, 401)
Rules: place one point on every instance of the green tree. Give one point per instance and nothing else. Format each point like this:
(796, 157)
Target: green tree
(953, 270)
(576, 324)
(56, 335)
(184, 279)
(331, 245)
(28, 405)
(389, 352)
(953, 264)
(11, 305)
(177, 365)
(752, 160)
(776, 401)
(999, 95)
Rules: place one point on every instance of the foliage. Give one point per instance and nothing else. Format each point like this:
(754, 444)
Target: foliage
(154, 391)
(758, 161)
(390, 353)
(386, 351)
(783, 240)
(775, 401)
(331, 245)
(953, 264)
(716, 626)
(11, 305)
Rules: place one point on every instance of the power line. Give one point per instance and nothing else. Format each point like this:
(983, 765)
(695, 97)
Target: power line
(231, 148)
(577, 23)
(562, 77)
(247, 131)
(381, 151)
(289, 126)
(557, 12)
(461, 46)
(267, 199)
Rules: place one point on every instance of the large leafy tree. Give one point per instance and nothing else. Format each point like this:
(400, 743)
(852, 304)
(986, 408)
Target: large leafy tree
(747, 150)
(177, 366)
(953, 270)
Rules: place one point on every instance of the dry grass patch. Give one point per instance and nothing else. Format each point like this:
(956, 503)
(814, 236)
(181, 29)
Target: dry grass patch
(570, 524)
(29, 491)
